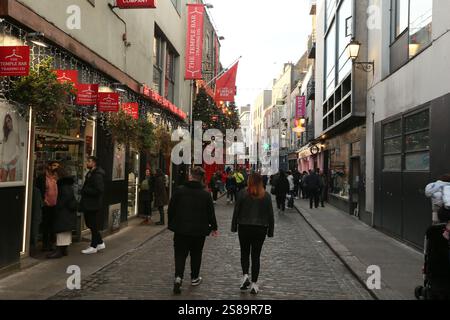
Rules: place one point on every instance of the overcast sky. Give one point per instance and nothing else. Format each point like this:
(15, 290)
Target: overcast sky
(266, 33)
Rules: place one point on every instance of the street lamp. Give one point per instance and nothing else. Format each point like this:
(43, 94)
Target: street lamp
(353, 49)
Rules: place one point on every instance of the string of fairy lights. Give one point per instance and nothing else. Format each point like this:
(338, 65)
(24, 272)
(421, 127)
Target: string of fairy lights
(62, 59)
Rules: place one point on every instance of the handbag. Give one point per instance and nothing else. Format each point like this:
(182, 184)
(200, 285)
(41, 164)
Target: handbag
(273, 190)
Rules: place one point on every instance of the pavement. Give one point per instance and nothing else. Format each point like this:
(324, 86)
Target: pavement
(295, 265)
(40, 278)
(360, 246)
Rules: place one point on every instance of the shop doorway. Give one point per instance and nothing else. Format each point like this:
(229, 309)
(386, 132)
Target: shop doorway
(68, 151)
(133, 182)
(355, 183)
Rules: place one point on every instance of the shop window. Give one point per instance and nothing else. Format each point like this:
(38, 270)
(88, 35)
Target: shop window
(392, 146)
(410, 145)
(417, 141)
(339, 169)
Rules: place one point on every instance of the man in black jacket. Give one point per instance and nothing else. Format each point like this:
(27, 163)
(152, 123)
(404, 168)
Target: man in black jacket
(313, 186)
(91, 203)
(192, 218)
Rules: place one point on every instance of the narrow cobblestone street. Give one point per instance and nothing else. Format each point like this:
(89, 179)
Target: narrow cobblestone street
(296, 265)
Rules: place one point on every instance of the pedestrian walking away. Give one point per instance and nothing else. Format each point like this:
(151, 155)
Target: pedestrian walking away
(231, 186)
(47, 183)
(253, 219)
(161, 196)
(91, 202)
(281, 189)
(65, 218)
(146, 196)
(291, 194)
(312, 185)
(191, 218)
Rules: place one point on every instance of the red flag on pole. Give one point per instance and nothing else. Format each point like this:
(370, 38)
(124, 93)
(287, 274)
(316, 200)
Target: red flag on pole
(226, 85)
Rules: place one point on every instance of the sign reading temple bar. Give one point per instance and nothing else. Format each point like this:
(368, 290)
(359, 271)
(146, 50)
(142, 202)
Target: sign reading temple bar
(14, 61)
(108, 102)
(136, 4)
(87, 94)
(194, 42)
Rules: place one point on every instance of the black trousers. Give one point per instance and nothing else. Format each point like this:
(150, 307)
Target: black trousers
(251, 239)
(146, 203)
(184, 246)
(314, 196)
(215, 192)
(90, 217)
(48, 217)
(281, 202)
(161, 214)
(231, 194)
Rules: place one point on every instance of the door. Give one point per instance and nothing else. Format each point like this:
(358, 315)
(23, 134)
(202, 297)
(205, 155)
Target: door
(391, 202)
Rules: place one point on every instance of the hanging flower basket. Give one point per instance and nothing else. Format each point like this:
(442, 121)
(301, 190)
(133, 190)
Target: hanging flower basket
(41, 90)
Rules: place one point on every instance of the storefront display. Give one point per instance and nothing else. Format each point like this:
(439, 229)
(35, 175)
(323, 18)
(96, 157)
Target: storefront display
(339, 172)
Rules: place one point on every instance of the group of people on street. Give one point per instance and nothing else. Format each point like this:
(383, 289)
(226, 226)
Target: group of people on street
(291, 185)
(54, 198)
(229, 181)
(192, 221)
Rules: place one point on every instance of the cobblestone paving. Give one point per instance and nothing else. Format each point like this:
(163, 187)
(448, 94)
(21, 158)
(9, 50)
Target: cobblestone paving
(295, 265)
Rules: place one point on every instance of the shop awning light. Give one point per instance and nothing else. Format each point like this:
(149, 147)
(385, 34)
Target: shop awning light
(37, 38)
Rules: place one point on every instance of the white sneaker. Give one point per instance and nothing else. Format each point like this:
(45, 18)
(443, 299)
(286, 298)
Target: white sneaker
(245, 283)
(101, 246)
(196, 282)
(254, 289)
(89, 250)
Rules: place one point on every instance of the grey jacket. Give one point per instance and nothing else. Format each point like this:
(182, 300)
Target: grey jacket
(253, 212)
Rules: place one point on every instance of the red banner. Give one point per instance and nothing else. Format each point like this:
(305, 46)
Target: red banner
(87, 94)
(226, 85)
(65, 76)
(300, 107)
(131, 108)
(108, 102)
(194, 42)
(14, 61)
(136, 4)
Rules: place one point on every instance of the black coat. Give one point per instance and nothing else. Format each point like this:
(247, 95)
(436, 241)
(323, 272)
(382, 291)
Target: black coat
(160, 194)
(312, 182)
(281, 186)
(191, 211)
(66, 207)
(92, 191)
(253, 212)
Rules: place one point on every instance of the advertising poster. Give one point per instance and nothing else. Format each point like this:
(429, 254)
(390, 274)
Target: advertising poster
(13, 147)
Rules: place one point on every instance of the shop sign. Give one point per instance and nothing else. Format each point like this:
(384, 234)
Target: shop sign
(87, 94)
(136, 4)
(14, 61)
(131, 108)
(194, 41)
(108, 102)
(300, 107)
(67, 76)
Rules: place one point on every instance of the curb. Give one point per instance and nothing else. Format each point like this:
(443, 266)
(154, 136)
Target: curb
(350, 261)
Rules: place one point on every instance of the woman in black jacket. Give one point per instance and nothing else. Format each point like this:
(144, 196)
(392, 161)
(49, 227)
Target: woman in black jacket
(66, 214)
(281, 190)
(253, 219)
